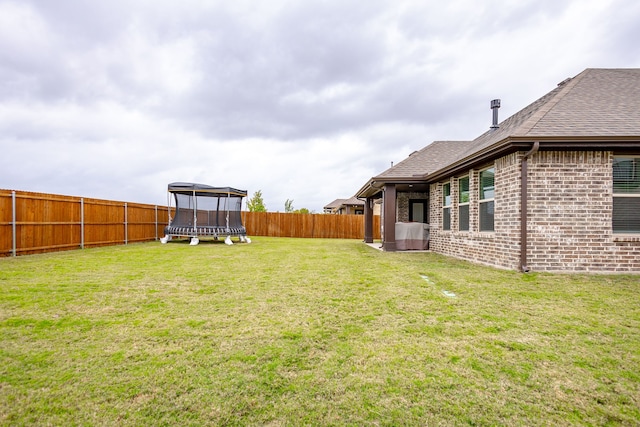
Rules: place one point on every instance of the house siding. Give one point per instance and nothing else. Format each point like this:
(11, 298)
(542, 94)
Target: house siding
(570, 199)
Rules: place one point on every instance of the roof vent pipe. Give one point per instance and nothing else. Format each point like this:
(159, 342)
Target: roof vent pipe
(495, 104)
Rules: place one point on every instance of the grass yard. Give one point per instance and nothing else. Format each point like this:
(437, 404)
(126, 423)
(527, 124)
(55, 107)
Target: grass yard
(310, 332)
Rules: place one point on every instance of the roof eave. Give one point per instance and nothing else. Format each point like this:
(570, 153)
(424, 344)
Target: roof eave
(513, 144)
(376, 184)
(620, 144)
(588, 143)
(499, 149)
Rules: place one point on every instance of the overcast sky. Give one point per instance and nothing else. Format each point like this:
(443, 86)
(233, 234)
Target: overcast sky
(303, 100)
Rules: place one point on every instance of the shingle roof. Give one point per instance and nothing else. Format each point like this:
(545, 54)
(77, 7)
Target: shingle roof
(431, 158)
(353, 201)
(342, 203)
(335, 204)
(597, 102)
(596, 105)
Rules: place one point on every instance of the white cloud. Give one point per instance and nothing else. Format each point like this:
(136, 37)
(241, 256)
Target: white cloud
(24, 34)
(302, 100)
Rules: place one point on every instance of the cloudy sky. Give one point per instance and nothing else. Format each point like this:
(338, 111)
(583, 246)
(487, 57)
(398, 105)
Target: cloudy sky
(303, 100)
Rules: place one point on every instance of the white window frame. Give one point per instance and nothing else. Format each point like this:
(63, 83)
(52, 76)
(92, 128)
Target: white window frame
(467, 203)
(446, 206)
(482, 201)
(627, 194)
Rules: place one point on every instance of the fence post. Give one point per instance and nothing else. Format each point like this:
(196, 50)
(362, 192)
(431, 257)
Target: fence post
(13, 223)
(82, 223)
(126, 231)
(156, 209)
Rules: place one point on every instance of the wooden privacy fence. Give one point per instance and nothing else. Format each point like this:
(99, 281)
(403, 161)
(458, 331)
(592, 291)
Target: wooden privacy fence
(36, 222)
(307, 225)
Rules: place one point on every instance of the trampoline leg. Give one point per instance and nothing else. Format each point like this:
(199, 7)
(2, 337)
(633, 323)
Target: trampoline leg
(228, 241)
(247, 239)
(164, 240)
(194, 241)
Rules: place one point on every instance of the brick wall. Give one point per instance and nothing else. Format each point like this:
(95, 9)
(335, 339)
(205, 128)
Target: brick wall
(570, 215)
(499, 248)
(569, 218)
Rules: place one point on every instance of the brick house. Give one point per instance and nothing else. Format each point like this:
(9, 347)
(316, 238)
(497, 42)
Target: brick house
(555, 187)
(350, 206)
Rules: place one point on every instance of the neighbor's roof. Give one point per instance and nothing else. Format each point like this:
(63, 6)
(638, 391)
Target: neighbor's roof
(338, 203)
(597, 108)
(335, 204)
(353, 201)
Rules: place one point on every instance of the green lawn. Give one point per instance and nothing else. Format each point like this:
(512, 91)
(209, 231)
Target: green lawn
(310, 332)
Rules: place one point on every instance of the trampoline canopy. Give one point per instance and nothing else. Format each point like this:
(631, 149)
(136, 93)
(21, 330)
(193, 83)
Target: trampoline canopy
(205, 211)
(204, 190)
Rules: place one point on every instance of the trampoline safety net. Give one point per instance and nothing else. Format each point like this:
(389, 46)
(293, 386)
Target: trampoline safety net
(205, 211)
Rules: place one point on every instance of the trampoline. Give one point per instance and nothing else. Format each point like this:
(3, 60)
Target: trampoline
(202, 211)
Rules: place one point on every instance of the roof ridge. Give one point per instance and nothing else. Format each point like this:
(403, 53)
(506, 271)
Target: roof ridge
(566, 87)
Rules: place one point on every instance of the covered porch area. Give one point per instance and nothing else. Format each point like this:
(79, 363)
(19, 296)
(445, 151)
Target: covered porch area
(405, 214)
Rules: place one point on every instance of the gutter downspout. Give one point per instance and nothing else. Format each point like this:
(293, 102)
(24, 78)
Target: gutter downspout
(523, 205)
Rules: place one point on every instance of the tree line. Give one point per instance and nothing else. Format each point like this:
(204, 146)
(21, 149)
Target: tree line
(256, 204)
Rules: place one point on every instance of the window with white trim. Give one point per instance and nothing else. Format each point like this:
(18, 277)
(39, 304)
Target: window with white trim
(626, 195)
(463, 204)
(486, 204)
(446, 206)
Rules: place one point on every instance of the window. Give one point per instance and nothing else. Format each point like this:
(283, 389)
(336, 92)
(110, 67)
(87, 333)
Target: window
(446, 206)
(487, 193)
(463, 204)
(418, 210)
(626, 195)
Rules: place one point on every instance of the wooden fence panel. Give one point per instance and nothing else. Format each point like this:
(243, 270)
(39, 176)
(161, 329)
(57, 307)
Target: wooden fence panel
(274, 224)
(47, 222)
(256, 223)
(104, 223)
(142, 220)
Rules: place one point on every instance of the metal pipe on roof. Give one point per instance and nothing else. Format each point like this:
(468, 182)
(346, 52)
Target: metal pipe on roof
(495, 104)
